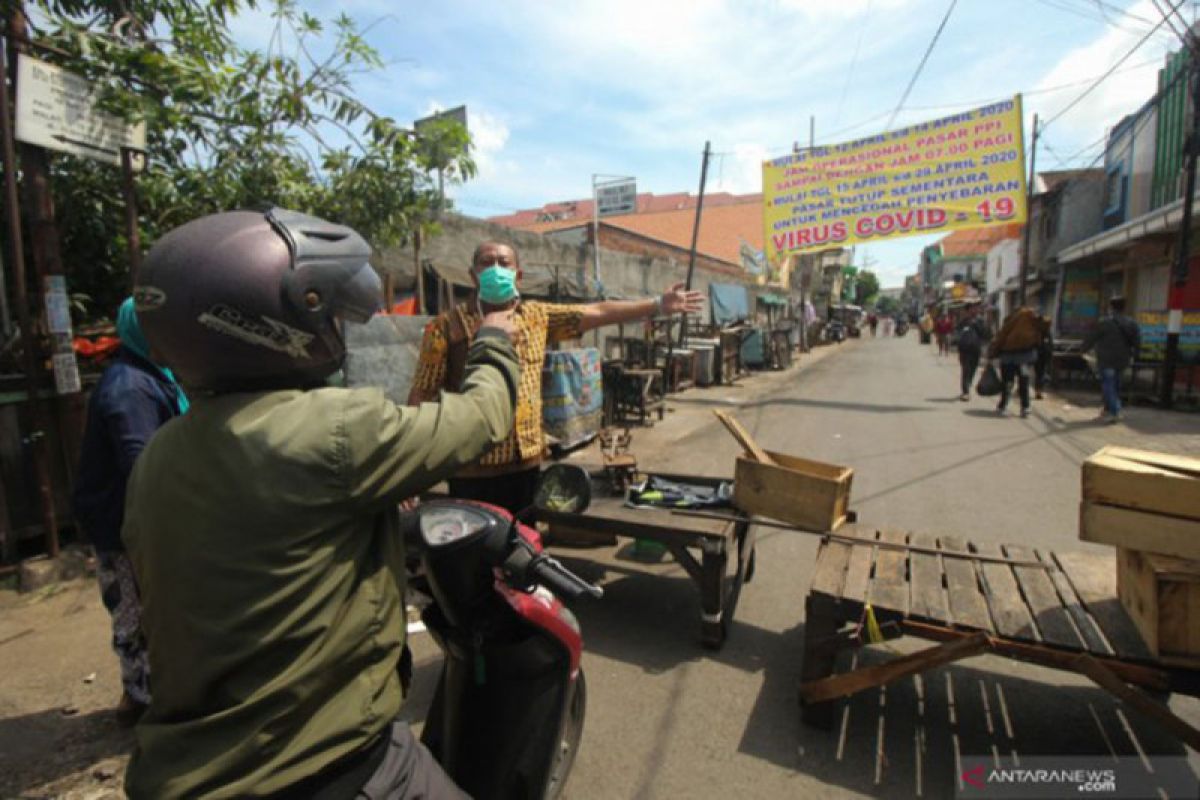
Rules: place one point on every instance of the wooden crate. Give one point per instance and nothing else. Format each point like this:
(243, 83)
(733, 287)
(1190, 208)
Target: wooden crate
(1142, 500)
(1139, 530)
(1143, 480)
(1162, 596)
(808, 494)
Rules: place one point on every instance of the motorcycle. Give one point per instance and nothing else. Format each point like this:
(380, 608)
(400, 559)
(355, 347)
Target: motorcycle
(835, 332)
(901, 327)
(507, 716)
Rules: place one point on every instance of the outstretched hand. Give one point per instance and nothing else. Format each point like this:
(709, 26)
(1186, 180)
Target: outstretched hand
(677, 300)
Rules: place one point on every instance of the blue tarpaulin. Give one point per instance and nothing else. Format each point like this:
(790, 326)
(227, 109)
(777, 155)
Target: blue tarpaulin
(730, 302)
(572, 395)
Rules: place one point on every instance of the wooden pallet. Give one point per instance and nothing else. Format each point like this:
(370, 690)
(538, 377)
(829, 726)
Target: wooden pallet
(1056, 609)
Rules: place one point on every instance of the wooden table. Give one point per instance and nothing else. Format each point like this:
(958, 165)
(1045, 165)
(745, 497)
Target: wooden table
(1056, 609)
(703, 547)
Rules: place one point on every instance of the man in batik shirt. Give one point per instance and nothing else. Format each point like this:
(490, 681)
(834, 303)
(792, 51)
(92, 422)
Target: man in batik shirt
(507, 475)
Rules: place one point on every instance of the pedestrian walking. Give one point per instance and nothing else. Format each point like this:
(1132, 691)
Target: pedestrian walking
(1016, 346)
(873, 323)
(972, 333)
(1045, 353)
(942, 330)
(134, 398)
(1116, 339)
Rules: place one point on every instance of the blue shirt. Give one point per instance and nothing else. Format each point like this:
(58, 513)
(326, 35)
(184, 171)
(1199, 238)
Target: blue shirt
(132, 401)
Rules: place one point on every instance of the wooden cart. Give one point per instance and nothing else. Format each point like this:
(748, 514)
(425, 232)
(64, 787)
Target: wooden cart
(703, 547)
(1059, 610)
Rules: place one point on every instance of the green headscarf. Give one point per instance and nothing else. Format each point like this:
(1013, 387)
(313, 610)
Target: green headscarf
(132, 337)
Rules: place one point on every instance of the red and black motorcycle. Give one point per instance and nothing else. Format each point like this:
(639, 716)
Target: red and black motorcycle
(507, 717)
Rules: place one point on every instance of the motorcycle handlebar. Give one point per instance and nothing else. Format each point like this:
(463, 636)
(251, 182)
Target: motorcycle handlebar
(561, 580)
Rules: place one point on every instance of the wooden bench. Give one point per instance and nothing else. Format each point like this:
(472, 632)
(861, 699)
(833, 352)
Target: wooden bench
(1059, 610)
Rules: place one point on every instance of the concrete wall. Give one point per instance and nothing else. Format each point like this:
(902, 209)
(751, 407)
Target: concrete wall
(1003, 263)
(1077, 213)
(623, 274)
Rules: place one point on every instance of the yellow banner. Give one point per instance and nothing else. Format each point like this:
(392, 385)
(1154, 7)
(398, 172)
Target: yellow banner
(964, 171)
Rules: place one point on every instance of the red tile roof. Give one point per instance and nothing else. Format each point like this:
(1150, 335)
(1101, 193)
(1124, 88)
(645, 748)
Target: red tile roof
(723, 226)
(647, 202)
(976, 241)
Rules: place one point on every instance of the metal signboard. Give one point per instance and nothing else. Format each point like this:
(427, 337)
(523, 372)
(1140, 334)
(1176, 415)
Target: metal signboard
(57, 110)
(457, 114)
(616, 197)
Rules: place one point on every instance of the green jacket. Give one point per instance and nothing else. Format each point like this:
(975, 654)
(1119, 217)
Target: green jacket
(264, 533)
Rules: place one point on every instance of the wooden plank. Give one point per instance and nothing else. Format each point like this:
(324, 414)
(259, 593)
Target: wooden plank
(858, 572)
(743, 438)
(1140, 530)
(889, 588)
(829, 575)
(1150, 677)
(927, 598)
(1138, 593)
(1117, 481)
(1043, 601)
(1139, 701)
(849, 683)
(1093, 639)
(1008, 609)
(1093, 576)
(968, 606)
(1179, 618)
(1187, 465)
(1162, 596)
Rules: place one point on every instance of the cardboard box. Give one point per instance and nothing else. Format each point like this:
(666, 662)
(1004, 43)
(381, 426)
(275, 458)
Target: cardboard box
(808, 494)
(1162, 596)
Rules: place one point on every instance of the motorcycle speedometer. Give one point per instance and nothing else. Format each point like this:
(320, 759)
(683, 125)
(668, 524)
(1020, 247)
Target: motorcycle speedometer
(444, 525)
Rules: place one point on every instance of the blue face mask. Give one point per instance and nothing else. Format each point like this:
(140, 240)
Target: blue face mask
(497, 285)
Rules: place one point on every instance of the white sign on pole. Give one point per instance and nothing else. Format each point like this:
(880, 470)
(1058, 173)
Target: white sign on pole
(56, 109)
(616, 197)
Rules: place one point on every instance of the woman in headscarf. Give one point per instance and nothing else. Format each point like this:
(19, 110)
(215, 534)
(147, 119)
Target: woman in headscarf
(134, 398)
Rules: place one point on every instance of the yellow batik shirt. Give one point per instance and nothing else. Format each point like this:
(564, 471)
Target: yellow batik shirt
(537, 325)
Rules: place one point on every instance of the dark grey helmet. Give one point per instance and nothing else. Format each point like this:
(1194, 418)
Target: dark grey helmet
(243, 300)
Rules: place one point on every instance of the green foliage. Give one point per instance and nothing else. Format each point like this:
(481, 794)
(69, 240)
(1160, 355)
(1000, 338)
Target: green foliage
(232, 128)
(866, 286)
(887, 305)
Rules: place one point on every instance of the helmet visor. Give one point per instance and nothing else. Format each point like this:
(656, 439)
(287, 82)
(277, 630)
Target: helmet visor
(329, 261)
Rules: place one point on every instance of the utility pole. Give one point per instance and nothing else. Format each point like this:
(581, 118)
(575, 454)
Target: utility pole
(1024, 277)
(695, 234)
(1180, 273)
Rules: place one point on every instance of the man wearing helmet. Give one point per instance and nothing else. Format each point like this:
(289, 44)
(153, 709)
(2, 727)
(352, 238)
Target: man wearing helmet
(263, 525)
(507, 475)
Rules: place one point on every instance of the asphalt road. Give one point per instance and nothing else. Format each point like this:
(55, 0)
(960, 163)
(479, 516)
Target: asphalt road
(667, 718)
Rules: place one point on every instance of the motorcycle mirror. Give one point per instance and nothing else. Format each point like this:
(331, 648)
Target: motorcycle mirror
(564, 488)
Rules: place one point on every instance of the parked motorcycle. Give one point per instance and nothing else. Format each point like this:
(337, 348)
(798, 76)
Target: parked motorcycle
(507, 716)
(835, 332)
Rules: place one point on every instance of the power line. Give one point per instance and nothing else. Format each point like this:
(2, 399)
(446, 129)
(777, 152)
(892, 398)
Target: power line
(977, 102)
(837, 117)
(1084, 14)
(1185, 36)
(936, 35)
(1105, 76)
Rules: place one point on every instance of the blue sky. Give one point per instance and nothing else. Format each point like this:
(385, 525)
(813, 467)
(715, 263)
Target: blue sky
(559, 91)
